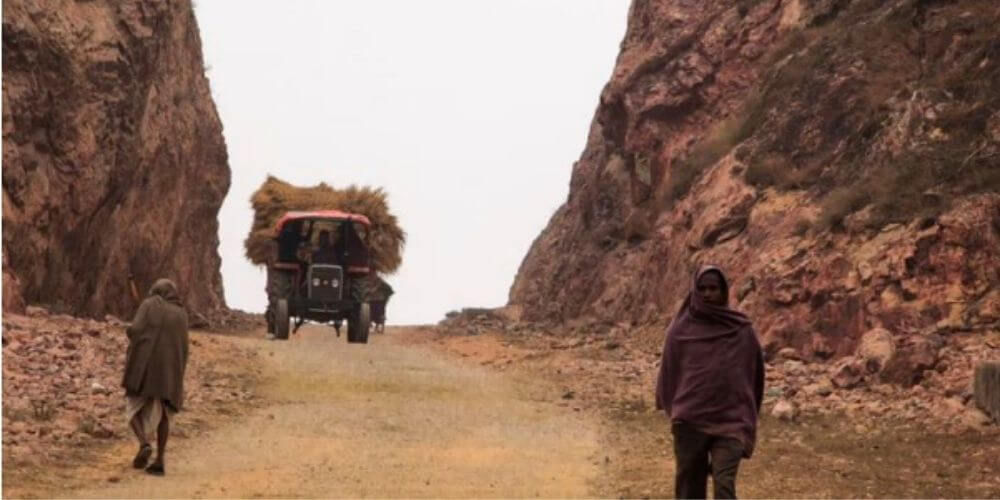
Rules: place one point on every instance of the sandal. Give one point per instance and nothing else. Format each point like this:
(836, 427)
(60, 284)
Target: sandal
(155, 469)
(141, 458)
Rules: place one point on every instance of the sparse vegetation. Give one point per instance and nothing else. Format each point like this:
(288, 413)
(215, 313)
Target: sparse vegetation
(949, 150)
(840, 203)
(776, 170)
(720, 140)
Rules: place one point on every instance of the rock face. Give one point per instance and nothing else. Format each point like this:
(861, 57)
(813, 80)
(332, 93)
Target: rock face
(113, 156)
(838, 159)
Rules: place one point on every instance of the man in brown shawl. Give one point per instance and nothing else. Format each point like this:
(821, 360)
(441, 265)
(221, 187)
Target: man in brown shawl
(711, 385)
(154, 370)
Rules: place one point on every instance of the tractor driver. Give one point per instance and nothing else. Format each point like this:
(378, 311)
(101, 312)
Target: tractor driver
(327, 252)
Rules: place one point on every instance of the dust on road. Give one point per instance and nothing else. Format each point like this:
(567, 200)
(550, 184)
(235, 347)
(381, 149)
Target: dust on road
(382, 420)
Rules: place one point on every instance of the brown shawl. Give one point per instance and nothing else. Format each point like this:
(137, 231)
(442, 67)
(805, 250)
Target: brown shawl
(158, 347)
(712, 370)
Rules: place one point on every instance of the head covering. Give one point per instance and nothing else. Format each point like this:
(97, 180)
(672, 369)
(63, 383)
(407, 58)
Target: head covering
(167, 290)
(712, 369)
(697, 319)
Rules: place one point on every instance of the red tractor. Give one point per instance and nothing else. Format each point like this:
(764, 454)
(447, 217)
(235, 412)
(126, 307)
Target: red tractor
(321, 272)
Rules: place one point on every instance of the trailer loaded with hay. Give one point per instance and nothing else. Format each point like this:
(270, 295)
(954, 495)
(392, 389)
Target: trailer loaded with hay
(324, 250)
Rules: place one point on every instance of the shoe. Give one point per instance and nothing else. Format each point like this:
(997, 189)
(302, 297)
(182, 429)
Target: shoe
(155, 469)
(141, 458)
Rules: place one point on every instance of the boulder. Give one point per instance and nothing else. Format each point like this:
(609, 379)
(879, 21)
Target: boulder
(822, 388)
(974, 418)
(847, 373)
(876, 349)
(908, 365)
(784, 410)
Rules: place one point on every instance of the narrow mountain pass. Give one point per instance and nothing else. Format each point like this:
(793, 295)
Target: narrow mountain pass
(378, 420)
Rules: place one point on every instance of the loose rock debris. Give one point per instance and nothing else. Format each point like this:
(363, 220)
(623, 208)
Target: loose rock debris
(62, 382)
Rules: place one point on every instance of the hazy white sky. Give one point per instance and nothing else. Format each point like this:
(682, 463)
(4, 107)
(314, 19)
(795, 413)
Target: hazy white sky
(469, 113)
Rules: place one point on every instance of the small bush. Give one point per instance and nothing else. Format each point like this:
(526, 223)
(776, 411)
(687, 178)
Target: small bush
(775, 170)
(840, 203)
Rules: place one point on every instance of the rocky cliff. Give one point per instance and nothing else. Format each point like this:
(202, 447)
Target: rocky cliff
(113, 155)
(840, 158)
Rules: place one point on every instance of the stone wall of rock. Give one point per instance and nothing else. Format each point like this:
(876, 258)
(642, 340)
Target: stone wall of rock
(113, 157)
(838, 159)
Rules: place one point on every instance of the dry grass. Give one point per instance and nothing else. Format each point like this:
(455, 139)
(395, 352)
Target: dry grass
(275, 197)
(719, 141)
(838, 204)
(776, 170)
(869, 46)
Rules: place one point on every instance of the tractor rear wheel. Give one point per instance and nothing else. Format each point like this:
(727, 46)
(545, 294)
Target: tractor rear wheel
(359, 324)
(281, 319)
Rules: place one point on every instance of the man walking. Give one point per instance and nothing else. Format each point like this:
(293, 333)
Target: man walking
(711, 385)
(154, 370)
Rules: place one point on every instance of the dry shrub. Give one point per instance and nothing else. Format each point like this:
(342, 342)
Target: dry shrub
(726, 135)
(276, 197)
(930, 173)
(776, 170)
(840, 203)
(896, 192)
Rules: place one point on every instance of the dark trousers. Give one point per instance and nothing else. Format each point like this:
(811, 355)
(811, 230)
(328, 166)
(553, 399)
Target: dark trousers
(698, 453)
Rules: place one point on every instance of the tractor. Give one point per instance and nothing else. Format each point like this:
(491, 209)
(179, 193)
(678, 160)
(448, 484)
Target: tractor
(320, 272)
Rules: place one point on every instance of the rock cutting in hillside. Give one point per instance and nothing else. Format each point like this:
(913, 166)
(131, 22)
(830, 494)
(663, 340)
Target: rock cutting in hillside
(848, 180)
(324, 250)
(113, 157)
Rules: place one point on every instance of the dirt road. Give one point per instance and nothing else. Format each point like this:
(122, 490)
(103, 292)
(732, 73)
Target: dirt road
(379, 420)
(422, 413)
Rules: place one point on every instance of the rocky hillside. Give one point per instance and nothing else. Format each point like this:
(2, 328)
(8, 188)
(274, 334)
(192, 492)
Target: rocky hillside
(63, 399)
(840, 158)
(113, 155)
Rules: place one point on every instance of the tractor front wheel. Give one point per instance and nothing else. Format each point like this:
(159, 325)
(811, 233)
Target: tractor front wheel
(281, 319)
(359, 324)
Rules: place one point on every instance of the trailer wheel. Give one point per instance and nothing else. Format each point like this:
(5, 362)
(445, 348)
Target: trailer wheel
(359, 324)
(281, 319)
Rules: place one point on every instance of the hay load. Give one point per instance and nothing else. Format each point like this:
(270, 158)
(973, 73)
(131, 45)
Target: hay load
(275, 197)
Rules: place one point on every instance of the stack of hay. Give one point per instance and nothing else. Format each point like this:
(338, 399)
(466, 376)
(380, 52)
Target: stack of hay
(276, 197)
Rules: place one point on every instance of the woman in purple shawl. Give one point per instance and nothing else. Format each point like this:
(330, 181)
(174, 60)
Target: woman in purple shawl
(711, 385)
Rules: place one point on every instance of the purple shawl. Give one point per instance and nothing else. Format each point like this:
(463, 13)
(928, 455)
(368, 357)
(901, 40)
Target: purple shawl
(712, 370)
